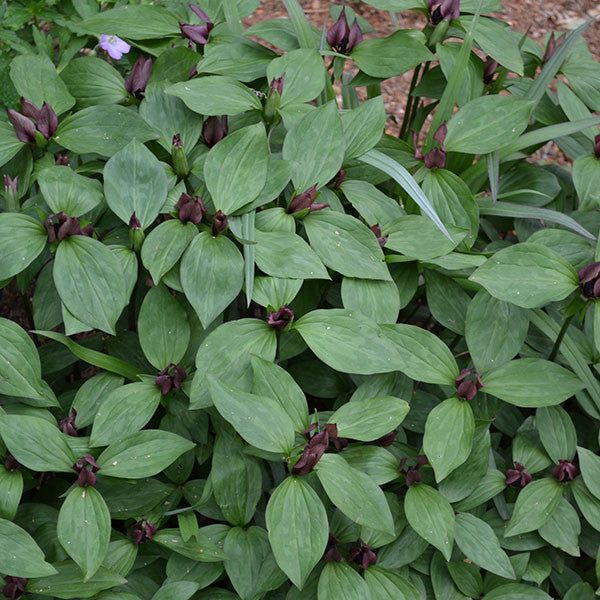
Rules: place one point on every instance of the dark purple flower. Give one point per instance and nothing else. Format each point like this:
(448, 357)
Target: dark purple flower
(306, 200)
(589, 281)
(11, 185)
(279, 320)
(339, 443)
(201, 15)
(24, 127)
(47, 121)
(387, 439)
(597, 146)
(312, 453)
(551, 47)
(136, 81)
(489, 69)
(170, 377)
(338, 179)
(564, 471)
(436, 158)
(14, 588)
(277, 84)
(342, 38)
(11, 463)
(62, 160)
(190, 209)
(29, 109)
(134, 222)
(87, 468)
(219, 223)
(65, 227)
(362, 555)
(143, 531)
(469, 383)
(331, 550)
(214, 130)
(443, 9)
(67, 425)
(177, 143)
(195, 33)
(518, 475)
(411, 474)
(382, 239)
(114, 45)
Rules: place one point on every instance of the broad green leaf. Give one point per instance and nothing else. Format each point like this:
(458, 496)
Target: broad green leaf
(528, 275)
(387, 585)
(535, 503)
(244, 61)
(574, 248)
(315, 146)
(164, 246)
(487, 123)
(135, 182)
(372, 204)
(20, 556)
(378, 300)
(83, 528)
(377, 462)
(431, 516)
(36, 79)
(363, 127)
(589, 463)
(368, 420)
(142, 454)
(557, 432)
(393, 55)
(125, 410)
(494, 331)
(10, 144)
(478, 542)
(532, 382)
(516, 591)
(287, 255)
(586, 177)
(11, 488)
(354, 493)
(20, 368)
(448, 435)
(91, 395)
(238, 162)
(492, 484)
(182, 590)
(295, 512)
(90, 282)
(340, 580)
(421, 355)
(260, 420)
(66, 191)
(102, 130)
(36, 443)
(215, 95)
(134, 21)
(22, 239)
(227, 351)
(447, 301)
(163, 328)
(303, 29)
(274, 291)
(346, 245)
(212, 275)
(587, 503)
(562, 528)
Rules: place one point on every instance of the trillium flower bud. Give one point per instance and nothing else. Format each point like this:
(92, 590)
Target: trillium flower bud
(65, 227)
(214, 130)
(382, 239)
(170, 377)
(29, 109)
(597, 146)
(180, 163)
(339, 443)
(412, 474)
(67, 425)
(564, 471)
(444, 9)
(281, 319)
(219, 223)
(14, 587)
(137, 79)
(489, 69)
(191, 209)
(387, 439)
(11, 193)
(362, 555)
(551, 47)
(312, 453)
(518, 475)
(24, 127)
(47, 122)
(306, 200)
(62, 160)
(342, 38)
(331, 550)
(143, 531)
(197, 33)
(277, 84)
(469, 383)
(87, 468)
(589, 281)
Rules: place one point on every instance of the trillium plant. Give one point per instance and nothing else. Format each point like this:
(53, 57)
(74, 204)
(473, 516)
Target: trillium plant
(263, 338)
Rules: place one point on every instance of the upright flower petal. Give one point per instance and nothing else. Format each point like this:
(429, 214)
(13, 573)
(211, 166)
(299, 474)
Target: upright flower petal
(24, 127)
(47, 122)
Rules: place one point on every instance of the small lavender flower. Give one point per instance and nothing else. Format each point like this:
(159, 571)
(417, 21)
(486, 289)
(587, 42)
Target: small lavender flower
(114, 45)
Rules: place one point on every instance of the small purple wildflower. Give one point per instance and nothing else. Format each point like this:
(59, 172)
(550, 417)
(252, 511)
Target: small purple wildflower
(114, 45)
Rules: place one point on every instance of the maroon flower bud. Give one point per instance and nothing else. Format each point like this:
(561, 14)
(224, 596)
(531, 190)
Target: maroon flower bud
(518, 475)
(177, 143)
(87, 231)
(382, 239)
(47, 122)
(331, 550)
(589, 281)
(338, 179)
(62, 160)
(279, 320)
(411, 474)
(29, 109)
(214, 130)
(277, 84)
(197, 33)
(306, 200)
(190, 209)
(355, 37)
(436, 158)
(440, 135)
(11, 186)
(24, 127)
(551, 47)
(387, 439)
(201, 15)
(564, 471)
(312, 453)
(134, 222)
(489, 69)
(443, 9)
(143, 531)
(167, 381)
(469, 383)
(193, 72)
(14, 588)
(342, 38)
(136, 81)
(87, 468)
(11, 463)
(597, 146)
(219, 223)
(339, 443)
(65, 227)
(362, 555)
(67, 425)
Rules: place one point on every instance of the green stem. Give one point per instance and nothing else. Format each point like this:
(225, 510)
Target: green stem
(409, 101)
(559, 338)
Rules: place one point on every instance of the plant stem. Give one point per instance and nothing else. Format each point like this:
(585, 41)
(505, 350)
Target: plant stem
(559, 338)
(409, 102)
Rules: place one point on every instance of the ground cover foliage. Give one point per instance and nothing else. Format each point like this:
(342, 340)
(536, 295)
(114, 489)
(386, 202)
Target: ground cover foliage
(269, 351)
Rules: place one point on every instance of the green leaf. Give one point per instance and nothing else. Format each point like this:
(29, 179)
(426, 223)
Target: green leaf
(368, 420)
(535, 503)
(516, 591)
(346, 245)
(36, 443)
(589, 463)
(91, 395)
(562, 528)
(135, 182)
(83, 528)
(487, 123)
(447, 301)
(431, 516)
(20, 556)
(227, 351)
(448, 436)
(36, 79)
(260, 420)
(372, 204)
(126, 410)
(182, 590)
(532, 382)
(363, 127)
(10, 144)
(586, 177)
(20, 368)
(387, 585)
(238, 162)
(340, 580)
(354, 493)
(301, 25)
(22, 239)
(421, 355)
(212, 275)
(557, 432)
(315, 146)
(90, 282)
(528, 275)
(377, 462)
(11, 489)
(215, 95)
(378, 300)
(163, 328)
(347, 341)
(134, 21)
(478, 542)
(274, 291)
(102, 130)
(495, 331)
(295, 512)
(142, 454)
(393, 55)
